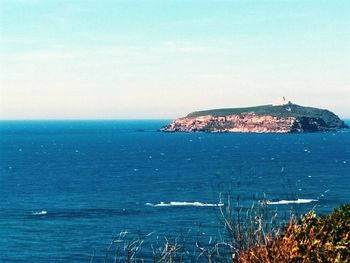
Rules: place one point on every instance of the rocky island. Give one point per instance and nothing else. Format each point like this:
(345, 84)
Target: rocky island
(284, 117)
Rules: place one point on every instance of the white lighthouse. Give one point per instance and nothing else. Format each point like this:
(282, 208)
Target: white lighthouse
(282, 102)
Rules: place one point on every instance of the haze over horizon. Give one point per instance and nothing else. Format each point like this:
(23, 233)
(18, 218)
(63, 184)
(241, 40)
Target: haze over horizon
(153, 59)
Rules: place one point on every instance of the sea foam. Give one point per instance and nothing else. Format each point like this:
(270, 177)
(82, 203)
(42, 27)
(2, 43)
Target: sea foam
(200, 204)
(39, 213)
(297, 201)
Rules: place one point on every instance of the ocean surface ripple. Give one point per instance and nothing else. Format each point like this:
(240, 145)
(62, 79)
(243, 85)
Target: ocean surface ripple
(67, 188)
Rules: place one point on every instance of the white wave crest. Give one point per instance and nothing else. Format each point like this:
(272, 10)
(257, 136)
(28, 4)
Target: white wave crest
(40, 213)
(298, 201)
(184, 204)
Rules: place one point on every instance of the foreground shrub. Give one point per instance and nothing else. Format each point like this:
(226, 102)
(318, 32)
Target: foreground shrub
(313, 239)
(253, 236)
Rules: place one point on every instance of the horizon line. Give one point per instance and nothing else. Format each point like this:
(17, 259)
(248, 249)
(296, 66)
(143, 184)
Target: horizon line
(109, 119)
(92, 119)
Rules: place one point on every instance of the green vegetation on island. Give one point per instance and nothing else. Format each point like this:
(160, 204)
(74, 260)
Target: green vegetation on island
(283, 117)
(282, 111)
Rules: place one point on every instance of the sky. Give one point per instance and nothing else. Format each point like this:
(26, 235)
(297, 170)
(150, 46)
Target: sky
(161, 59)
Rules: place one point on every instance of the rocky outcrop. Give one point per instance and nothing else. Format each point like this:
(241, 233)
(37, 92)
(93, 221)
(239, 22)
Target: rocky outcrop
(258, 121)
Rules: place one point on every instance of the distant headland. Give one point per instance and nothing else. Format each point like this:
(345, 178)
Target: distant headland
(281, 117)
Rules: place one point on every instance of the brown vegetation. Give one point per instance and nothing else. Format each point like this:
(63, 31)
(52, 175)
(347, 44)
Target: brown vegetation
(322, 239)
(253, 236)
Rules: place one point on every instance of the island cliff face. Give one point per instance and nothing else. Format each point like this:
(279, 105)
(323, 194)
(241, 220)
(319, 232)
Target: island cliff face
(261, 119)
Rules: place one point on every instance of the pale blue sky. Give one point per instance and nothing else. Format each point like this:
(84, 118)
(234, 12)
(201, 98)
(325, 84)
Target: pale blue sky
(83, 59)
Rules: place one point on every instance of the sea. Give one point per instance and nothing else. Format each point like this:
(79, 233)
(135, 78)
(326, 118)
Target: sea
(71, 191)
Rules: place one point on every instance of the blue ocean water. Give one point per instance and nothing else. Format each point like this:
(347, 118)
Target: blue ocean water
(68, 187)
